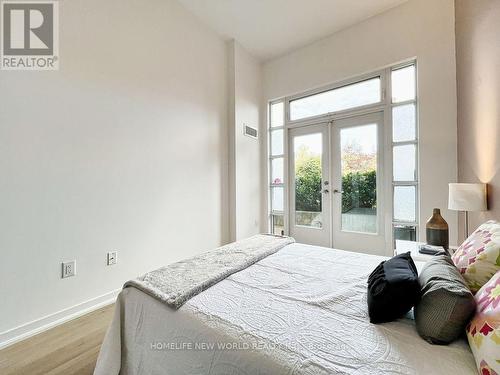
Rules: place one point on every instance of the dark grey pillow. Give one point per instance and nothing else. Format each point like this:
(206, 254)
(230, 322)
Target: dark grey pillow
(446, 303)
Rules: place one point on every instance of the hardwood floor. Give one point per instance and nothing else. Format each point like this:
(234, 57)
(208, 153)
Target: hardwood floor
(69, 349)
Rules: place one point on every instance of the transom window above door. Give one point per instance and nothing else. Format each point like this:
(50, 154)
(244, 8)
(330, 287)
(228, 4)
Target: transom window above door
(342, 98)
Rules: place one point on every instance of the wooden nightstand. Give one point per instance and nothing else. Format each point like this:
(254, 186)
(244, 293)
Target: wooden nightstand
(403, 246)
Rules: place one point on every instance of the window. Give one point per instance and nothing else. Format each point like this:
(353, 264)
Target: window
(368, 94)
(308, 152)
(276, 115)
(277, 142)
(354, 95)
(403, 84)
(404, 152)
(276, 167)
(359, 152)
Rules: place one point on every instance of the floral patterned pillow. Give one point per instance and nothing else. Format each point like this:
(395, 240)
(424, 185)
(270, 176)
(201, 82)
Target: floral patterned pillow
(478, 258)
(483, 332)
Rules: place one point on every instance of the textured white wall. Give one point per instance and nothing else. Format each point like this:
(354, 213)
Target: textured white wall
(123, 148)
(419, 28)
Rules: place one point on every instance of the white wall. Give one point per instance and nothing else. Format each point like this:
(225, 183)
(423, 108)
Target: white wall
(478, 81)
(127, 147)
(121, 149)
(245, 99)
(419, 28)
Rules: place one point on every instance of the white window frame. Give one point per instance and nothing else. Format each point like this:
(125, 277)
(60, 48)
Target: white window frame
(385, 105)
(416, 181)
(270, 183)
(347, 82)
(330, 116)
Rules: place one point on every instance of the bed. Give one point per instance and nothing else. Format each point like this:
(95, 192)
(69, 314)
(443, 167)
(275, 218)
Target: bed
(301, 310)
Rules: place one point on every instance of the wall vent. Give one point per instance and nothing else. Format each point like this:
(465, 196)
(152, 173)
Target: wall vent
(250, 132)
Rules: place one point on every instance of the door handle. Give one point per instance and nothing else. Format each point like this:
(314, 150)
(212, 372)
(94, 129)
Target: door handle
(326, 191)
(337, 191)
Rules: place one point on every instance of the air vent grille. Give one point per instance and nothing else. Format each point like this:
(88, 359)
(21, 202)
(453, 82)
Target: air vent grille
(250, 132)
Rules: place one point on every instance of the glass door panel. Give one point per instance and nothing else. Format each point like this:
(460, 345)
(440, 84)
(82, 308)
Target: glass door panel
(309, 196)
(308, 153)
(357, 149)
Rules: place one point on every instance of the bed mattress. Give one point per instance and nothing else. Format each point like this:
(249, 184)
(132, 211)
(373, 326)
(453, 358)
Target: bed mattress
(302, 310)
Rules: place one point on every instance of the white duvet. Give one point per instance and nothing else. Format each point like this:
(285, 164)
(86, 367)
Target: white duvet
(300, 311)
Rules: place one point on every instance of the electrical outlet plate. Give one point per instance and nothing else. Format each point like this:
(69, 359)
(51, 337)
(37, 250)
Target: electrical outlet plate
(68, 269)
(112, 258)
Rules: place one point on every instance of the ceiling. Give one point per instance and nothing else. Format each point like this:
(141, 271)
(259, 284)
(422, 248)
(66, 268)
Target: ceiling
(270, 28)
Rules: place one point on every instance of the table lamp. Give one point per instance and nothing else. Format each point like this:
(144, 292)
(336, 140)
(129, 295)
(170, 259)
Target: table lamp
(467, 197)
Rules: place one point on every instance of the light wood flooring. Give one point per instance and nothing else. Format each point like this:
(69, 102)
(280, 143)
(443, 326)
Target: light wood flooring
(69, 349)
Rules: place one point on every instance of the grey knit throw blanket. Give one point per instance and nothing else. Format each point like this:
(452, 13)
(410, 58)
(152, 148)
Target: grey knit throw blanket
(178, 282)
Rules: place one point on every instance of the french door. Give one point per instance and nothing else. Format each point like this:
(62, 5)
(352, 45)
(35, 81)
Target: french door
(309, 192)
(358, 205)
(336, 184)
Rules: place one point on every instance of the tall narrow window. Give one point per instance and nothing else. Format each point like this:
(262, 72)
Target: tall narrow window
(276, 167)
(404, 152)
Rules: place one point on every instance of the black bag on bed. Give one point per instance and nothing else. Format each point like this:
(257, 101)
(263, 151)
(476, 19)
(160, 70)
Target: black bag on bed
(393, 289)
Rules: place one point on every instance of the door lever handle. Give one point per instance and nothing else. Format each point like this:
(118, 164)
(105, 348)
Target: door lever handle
(326, 191)
(337, 191)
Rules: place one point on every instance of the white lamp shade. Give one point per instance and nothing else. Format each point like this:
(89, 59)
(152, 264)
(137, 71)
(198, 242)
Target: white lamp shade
(467, 197)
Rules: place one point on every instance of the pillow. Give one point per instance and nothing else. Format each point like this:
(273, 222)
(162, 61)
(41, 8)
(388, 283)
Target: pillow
(446, 304)
(393, 289)
(483, 332)
(478, 258)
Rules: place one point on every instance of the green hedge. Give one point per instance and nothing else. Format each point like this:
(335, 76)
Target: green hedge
(359, 190)
(308, 185)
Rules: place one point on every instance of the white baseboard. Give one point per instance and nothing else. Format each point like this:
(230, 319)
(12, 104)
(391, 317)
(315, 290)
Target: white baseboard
(42, 324)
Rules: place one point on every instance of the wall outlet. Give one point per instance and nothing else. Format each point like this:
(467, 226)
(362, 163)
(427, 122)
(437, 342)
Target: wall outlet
(68, 269)
(112, 258)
